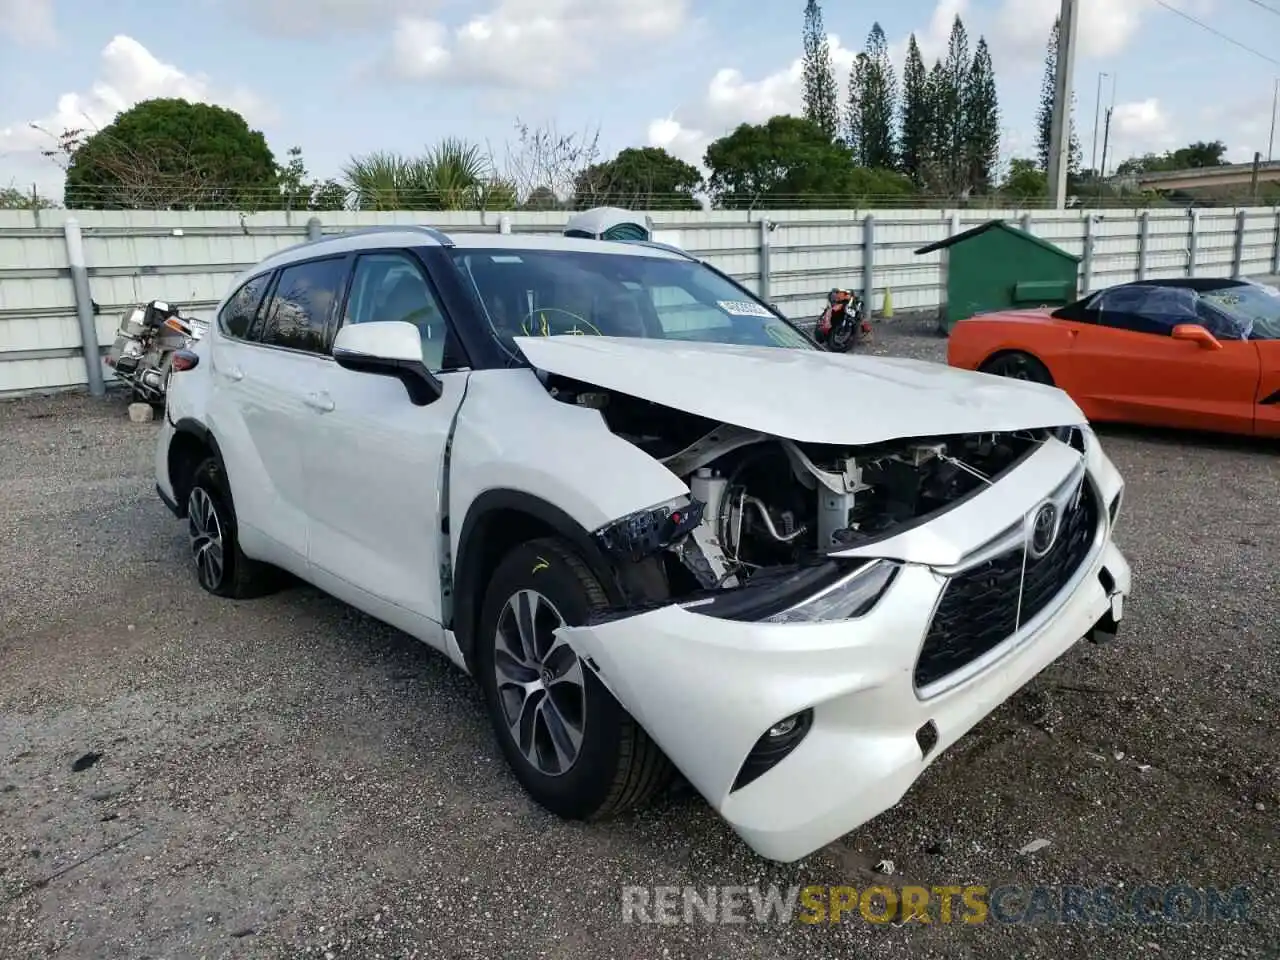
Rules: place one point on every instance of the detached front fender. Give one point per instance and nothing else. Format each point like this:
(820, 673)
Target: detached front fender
(527, 458)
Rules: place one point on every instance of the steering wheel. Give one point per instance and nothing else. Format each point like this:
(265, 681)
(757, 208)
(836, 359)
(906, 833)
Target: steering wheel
(539, 323)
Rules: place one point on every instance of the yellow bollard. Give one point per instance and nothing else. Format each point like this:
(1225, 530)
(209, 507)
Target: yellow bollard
(886, 310)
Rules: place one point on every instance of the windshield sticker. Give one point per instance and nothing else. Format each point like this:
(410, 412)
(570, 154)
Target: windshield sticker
(744, 308)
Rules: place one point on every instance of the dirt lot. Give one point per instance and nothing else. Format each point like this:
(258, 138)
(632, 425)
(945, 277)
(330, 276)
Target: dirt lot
(286, 778)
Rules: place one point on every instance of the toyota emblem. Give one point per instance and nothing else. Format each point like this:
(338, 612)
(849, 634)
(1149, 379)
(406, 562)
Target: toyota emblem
(1044, 530)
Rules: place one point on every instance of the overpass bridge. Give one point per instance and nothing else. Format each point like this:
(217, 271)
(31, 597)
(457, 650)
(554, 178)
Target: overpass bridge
(1226, 175)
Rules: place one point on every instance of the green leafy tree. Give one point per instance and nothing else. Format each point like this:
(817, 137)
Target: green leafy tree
(982, 121)
(873, 94)
(1044, 114)
(821, 95)
(934, 172)
(1024, 182)
(785, 161)
(647, 178)
(170, 154)
(299, 192)
(1192, 156)
(11, 198)
(542, 198)
(916, 114)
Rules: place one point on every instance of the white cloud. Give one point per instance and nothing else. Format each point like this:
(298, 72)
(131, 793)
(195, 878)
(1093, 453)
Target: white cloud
(28, 21)
(128, 74)
(530, 44)
(315, 18)
(1105, 27)
(933, 39)
(731, 98)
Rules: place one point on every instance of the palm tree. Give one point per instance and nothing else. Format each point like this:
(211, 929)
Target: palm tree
(452, 175)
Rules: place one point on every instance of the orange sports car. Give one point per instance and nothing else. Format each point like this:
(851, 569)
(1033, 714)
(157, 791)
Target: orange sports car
(1194, 353)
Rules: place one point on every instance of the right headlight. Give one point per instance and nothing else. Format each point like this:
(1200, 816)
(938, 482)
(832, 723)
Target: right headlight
(849, 597)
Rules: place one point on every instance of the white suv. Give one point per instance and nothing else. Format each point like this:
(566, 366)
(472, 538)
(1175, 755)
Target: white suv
(657, 524)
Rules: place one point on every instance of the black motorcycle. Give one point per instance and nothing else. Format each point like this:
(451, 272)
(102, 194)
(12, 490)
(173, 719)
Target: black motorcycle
(843, 323)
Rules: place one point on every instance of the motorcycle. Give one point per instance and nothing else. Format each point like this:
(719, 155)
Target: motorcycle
(149, 336)
(843, 322)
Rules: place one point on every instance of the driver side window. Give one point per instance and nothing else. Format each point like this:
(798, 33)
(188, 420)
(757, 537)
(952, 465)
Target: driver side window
(390, 286)
(1147, 309)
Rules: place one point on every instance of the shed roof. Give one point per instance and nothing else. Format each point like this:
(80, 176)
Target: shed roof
(992, 225)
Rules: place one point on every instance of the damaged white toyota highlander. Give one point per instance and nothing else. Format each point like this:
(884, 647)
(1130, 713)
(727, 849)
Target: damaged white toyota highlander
(660, 527)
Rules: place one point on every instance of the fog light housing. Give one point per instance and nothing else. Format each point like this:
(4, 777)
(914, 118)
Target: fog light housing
(1117, 501)
(774, 746)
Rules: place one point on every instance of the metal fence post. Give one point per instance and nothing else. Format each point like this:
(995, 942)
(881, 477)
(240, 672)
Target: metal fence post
(84, 308)
(762, 288)
(868, 261)
(1087, 260)
(1193, 242)
(1144, 243)
(314, 231)
(1237, 252)
(1275, 246)
(1026, 222)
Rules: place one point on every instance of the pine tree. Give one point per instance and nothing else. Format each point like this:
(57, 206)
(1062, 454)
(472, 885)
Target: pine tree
(878, 96)
(982, 120)
(915, 113)
(821, 95)
(1044, 115)
(951, 104)
(854, 137)
(934, 167)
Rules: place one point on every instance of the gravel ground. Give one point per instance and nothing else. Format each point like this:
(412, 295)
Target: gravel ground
(287, 778)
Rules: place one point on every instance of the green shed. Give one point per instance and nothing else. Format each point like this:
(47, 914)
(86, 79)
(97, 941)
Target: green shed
(996, 266)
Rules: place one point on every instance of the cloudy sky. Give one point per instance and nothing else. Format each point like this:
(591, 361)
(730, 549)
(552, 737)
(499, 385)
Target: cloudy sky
(344, 76)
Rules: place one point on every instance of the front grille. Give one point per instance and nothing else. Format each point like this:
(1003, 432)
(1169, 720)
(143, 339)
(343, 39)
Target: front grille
(984, 605)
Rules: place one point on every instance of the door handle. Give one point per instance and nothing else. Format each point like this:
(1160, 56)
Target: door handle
(320, 402)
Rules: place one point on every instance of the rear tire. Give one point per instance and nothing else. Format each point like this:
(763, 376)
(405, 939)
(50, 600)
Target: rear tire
(1018, 365)
(221, 566)
(571, 745)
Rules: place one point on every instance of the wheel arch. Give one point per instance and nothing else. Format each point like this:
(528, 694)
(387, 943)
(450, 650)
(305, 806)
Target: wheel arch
(497, 521)
(191, 445)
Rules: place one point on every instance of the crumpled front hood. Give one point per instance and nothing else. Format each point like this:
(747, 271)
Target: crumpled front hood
(809, 396)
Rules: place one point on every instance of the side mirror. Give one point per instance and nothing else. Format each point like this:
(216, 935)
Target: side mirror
(1195, 333)
(391, 348)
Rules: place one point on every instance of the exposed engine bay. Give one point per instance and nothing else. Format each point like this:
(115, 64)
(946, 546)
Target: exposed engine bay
(760, 502)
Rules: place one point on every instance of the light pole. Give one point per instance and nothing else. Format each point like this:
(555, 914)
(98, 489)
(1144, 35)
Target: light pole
(1097, 109)
(1271, 141)
(1060, 129)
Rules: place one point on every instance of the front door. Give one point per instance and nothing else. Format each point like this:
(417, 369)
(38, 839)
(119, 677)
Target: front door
(1134, 371)
(375, 471)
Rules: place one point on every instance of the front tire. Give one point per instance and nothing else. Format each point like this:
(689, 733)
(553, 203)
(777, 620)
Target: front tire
(571, 745)
(221, 566)
(1018, 366)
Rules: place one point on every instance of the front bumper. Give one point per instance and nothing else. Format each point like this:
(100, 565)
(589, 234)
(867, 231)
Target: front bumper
(706, 689)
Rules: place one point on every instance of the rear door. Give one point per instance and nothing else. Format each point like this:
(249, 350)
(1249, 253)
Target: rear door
(269, 376)
(374, 462)
(1131, 369)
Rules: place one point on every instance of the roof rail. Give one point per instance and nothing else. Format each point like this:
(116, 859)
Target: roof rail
(438, 236)
(670, 248)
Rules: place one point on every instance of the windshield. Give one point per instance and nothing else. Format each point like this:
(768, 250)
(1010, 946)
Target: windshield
(557, 292)
(1253, 307)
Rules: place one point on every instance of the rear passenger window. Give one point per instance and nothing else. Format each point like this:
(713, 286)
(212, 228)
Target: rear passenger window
(239, 311)
(301, 308)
